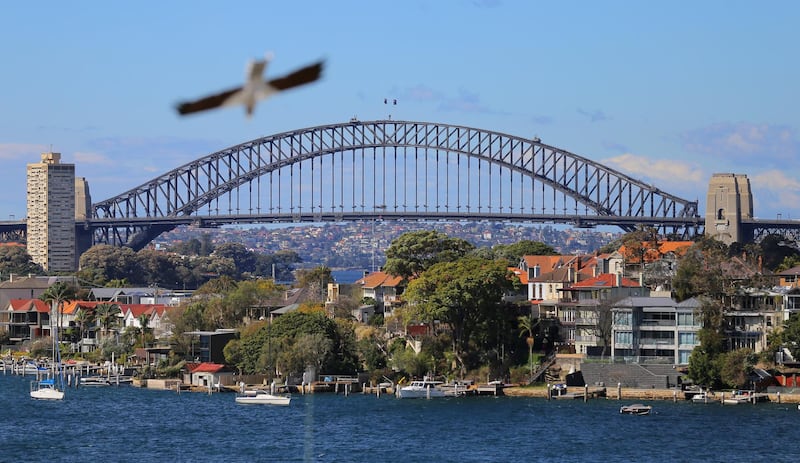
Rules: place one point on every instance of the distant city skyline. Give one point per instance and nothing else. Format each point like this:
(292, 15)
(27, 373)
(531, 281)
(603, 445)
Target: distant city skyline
(661, 92)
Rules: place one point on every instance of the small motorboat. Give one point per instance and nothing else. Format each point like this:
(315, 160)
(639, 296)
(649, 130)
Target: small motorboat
(635, 409)
(702, 398)
(261, 397)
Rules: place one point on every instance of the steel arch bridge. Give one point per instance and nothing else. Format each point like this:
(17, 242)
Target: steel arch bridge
(392, 170)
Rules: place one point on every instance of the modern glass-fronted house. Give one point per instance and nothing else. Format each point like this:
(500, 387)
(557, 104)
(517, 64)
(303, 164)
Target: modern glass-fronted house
(654, 330)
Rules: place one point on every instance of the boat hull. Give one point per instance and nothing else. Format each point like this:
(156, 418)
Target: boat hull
(263, 399)
(47, 393)
(636, 409)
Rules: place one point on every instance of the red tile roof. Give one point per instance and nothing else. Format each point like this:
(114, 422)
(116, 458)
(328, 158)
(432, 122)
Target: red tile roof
(207, 367)
(28, 305)
(376, 279)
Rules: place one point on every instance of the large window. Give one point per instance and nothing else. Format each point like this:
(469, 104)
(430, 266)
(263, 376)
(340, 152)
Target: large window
(687, 319)
(687, 339)
(623, 318)
(683, 356)
(623, 337)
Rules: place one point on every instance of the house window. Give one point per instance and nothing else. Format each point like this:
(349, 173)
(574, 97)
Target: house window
(623, 318)
(686, 319)
(623, 337)
(683, 356)
(687, 339)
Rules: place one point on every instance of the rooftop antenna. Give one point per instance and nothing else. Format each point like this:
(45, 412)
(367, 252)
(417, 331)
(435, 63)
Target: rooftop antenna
(393, 102)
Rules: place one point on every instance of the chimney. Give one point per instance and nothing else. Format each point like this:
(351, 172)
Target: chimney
(571, 275)
(619, 280)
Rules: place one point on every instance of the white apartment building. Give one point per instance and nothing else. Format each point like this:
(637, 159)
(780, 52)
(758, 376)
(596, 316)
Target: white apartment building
(51, 213)
(655, 330)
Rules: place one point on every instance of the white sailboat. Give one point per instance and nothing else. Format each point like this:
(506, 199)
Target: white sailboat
(51, 388)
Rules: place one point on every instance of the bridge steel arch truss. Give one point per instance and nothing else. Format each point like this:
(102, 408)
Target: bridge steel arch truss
(390, 170)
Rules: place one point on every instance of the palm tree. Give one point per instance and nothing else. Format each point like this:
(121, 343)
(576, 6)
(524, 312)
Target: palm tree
(526, 327)
(106, 314)
(144, 321)
(55, 296)
(83, 318)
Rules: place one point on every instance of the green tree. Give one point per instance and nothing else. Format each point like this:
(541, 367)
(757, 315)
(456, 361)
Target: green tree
(108, 263)
(412, 253)
(700, 271)
(513, 252)
(107, 314)
(315, 281)
(462, 294)
(16, 260)
(84, 319)
(527, 325)
(735, 367)
(144, 327)
(244, 259)
(56, 295)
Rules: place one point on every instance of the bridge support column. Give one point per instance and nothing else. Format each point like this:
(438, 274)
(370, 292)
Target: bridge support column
(729, 200)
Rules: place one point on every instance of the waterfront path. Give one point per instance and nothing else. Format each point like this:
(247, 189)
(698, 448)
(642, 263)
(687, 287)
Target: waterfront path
(636, 394)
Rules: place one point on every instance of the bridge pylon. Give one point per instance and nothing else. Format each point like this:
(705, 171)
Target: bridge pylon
(729, 201)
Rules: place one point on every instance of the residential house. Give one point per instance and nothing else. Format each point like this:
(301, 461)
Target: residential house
(654, 330)
(583, 310)
(30, 287)
(143, 295)
(655, 263)
(156, 319)
(207, 346)
(26, 320)
(384, 288)
(750, 314)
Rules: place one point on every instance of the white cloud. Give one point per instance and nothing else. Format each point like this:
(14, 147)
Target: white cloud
(88, 157)
(774, 191)
(662, 170)
(756, 144)
(21, 151)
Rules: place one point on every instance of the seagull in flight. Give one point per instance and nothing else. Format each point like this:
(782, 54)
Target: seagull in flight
(255, 88)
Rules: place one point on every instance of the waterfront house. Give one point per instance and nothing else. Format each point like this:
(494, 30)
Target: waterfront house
(207, 346)
(583, 310)
(654, 330)
(26, 320)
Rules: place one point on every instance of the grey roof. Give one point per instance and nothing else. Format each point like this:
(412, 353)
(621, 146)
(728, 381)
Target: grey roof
(287, 309)
(691, 303)
(639, 301)
(37, 282)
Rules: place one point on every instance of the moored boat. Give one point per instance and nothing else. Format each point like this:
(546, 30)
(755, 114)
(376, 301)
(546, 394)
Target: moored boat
(422, 389)
(260, 397)
(635, 409)
(702, 398)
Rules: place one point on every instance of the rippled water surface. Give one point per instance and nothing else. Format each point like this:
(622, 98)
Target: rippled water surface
(130, 424)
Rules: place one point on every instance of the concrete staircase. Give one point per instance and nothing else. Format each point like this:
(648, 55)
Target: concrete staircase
(630, 375)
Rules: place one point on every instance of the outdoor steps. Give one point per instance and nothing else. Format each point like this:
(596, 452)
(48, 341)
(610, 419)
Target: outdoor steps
(630, 375)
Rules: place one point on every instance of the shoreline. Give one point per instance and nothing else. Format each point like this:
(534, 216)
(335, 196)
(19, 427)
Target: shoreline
(637, 394)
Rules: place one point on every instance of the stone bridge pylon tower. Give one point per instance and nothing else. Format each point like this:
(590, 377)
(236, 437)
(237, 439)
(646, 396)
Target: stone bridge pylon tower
(729, 201)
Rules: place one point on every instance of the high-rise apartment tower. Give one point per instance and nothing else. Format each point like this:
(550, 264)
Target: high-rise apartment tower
(51, 213)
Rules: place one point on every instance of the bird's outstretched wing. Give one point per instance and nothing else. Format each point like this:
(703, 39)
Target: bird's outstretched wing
(299, 77)
(209, 102)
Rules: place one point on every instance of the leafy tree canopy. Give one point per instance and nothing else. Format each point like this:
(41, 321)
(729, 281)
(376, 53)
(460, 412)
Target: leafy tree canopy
(16, 260)
(414, 252)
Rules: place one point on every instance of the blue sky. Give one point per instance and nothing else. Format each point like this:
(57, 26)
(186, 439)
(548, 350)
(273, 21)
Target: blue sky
(667, 92)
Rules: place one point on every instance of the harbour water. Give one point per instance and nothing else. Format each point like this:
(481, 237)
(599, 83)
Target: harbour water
(128, 424)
